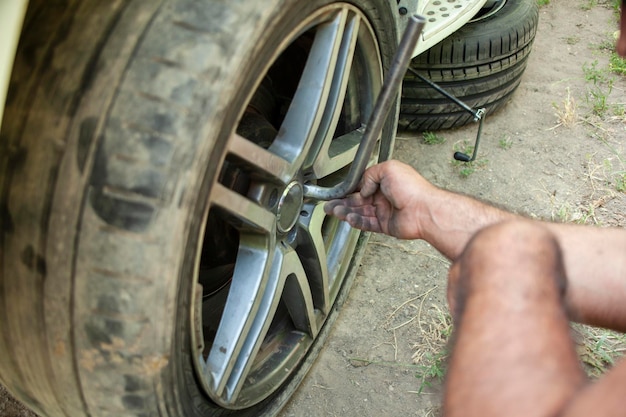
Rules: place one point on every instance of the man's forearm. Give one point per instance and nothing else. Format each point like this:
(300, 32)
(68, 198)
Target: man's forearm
(595, 263)
(594, 258)
(451, 220)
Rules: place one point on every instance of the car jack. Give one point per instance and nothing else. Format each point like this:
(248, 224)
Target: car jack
(479, 116)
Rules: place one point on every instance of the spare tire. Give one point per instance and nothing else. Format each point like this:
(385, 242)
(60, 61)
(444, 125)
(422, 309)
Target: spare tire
(481, 64)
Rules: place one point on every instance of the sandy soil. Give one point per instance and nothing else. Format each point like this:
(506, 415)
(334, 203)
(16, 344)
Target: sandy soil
(393, 326)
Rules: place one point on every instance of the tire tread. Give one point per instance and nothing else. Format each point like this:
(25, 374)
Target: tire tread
(481, 64)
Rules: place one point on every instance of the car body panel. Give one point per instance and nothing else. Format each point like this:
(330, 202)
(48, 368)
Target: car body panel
(11, 18)
(443, 18)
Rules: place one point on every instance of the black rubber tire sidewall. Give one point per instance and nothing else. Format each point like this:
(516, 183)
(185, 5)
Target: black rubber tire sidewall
(481, 64)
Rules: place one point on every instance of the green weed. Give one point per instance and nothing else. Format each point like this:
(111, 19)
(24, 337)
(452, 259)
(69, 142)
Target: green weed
(615, 177)
(467, 168)
(598, 348)
(590, 4)
(598, 93)
(572, 40)
(619, 110)
(620, 182)
(607, 45)
(594, 74)
(433, 370)
(598, 99)
(505, 143)
(617, 64)
(543, 2)
(431, 138)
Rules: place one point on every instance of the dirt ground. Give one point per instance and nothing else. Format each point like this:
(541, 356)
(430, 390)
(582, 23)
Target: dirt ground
(547, 154)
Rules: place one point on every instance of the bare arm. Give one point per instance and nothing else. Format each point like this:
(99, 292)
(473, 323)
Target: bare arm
(595, 265)
(394, 199)
(604, 397)
(594, 258)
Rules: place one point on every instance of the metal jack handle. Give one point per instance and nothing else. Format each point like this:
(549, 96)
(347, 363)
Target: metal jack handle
(479, 115)
(463, 157)
(374, 127)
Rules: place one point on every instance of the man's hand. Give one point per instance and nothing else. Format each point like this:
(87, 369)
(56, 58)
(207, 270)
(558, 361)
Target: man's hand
(394, 199)
(390, 200)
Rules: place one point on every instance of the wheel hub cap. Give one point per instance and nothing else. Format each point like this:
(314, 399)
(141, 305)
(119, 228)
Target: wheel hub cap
(289, 207)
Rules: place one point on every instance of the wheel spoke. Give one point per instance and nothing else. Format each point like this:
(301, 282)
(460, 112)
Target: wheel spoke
(287, 280)
(301, 125)
(336, 149)
(260, 158)
(313, 254)
(250, 280)
(245, 213)
(256, 249)
(297, 295)
(323, 249)
(337, 154)
(337, 93)
(343, 237)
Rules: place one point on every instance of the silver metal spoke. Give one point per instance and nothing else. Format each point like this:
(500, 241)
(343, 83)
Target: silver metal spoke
(297, 295)
(250, 280)
(337, 150)
(343, 237)
(337, 154)
(313, 254)
(287, 280)
(327, 242)
(243, 211)
(301, 124)
(262, 159)
(257, 244)
(337, 93)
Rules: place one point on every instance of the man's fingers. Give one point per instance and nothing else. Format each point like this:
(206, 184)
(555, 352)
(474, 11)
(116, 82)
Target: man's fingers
(358, 216)
(338, 208)
(353, 200)
(370, 181)
(329, 207)
(368, 224)
(342, 212)
(351, 204)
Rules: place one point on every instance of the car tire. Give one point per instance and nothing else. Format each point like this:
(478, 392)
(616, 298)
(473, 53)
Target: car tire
(481, 64)
(157, 255)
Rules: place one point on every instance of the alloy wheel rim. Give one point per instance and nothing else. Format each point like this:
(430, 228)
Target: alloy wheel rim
(259, 305)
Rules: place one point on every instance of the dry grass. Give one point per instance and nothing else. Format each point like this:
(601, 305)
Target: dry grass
(567, 114)
(435, 333)
(431, 352)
